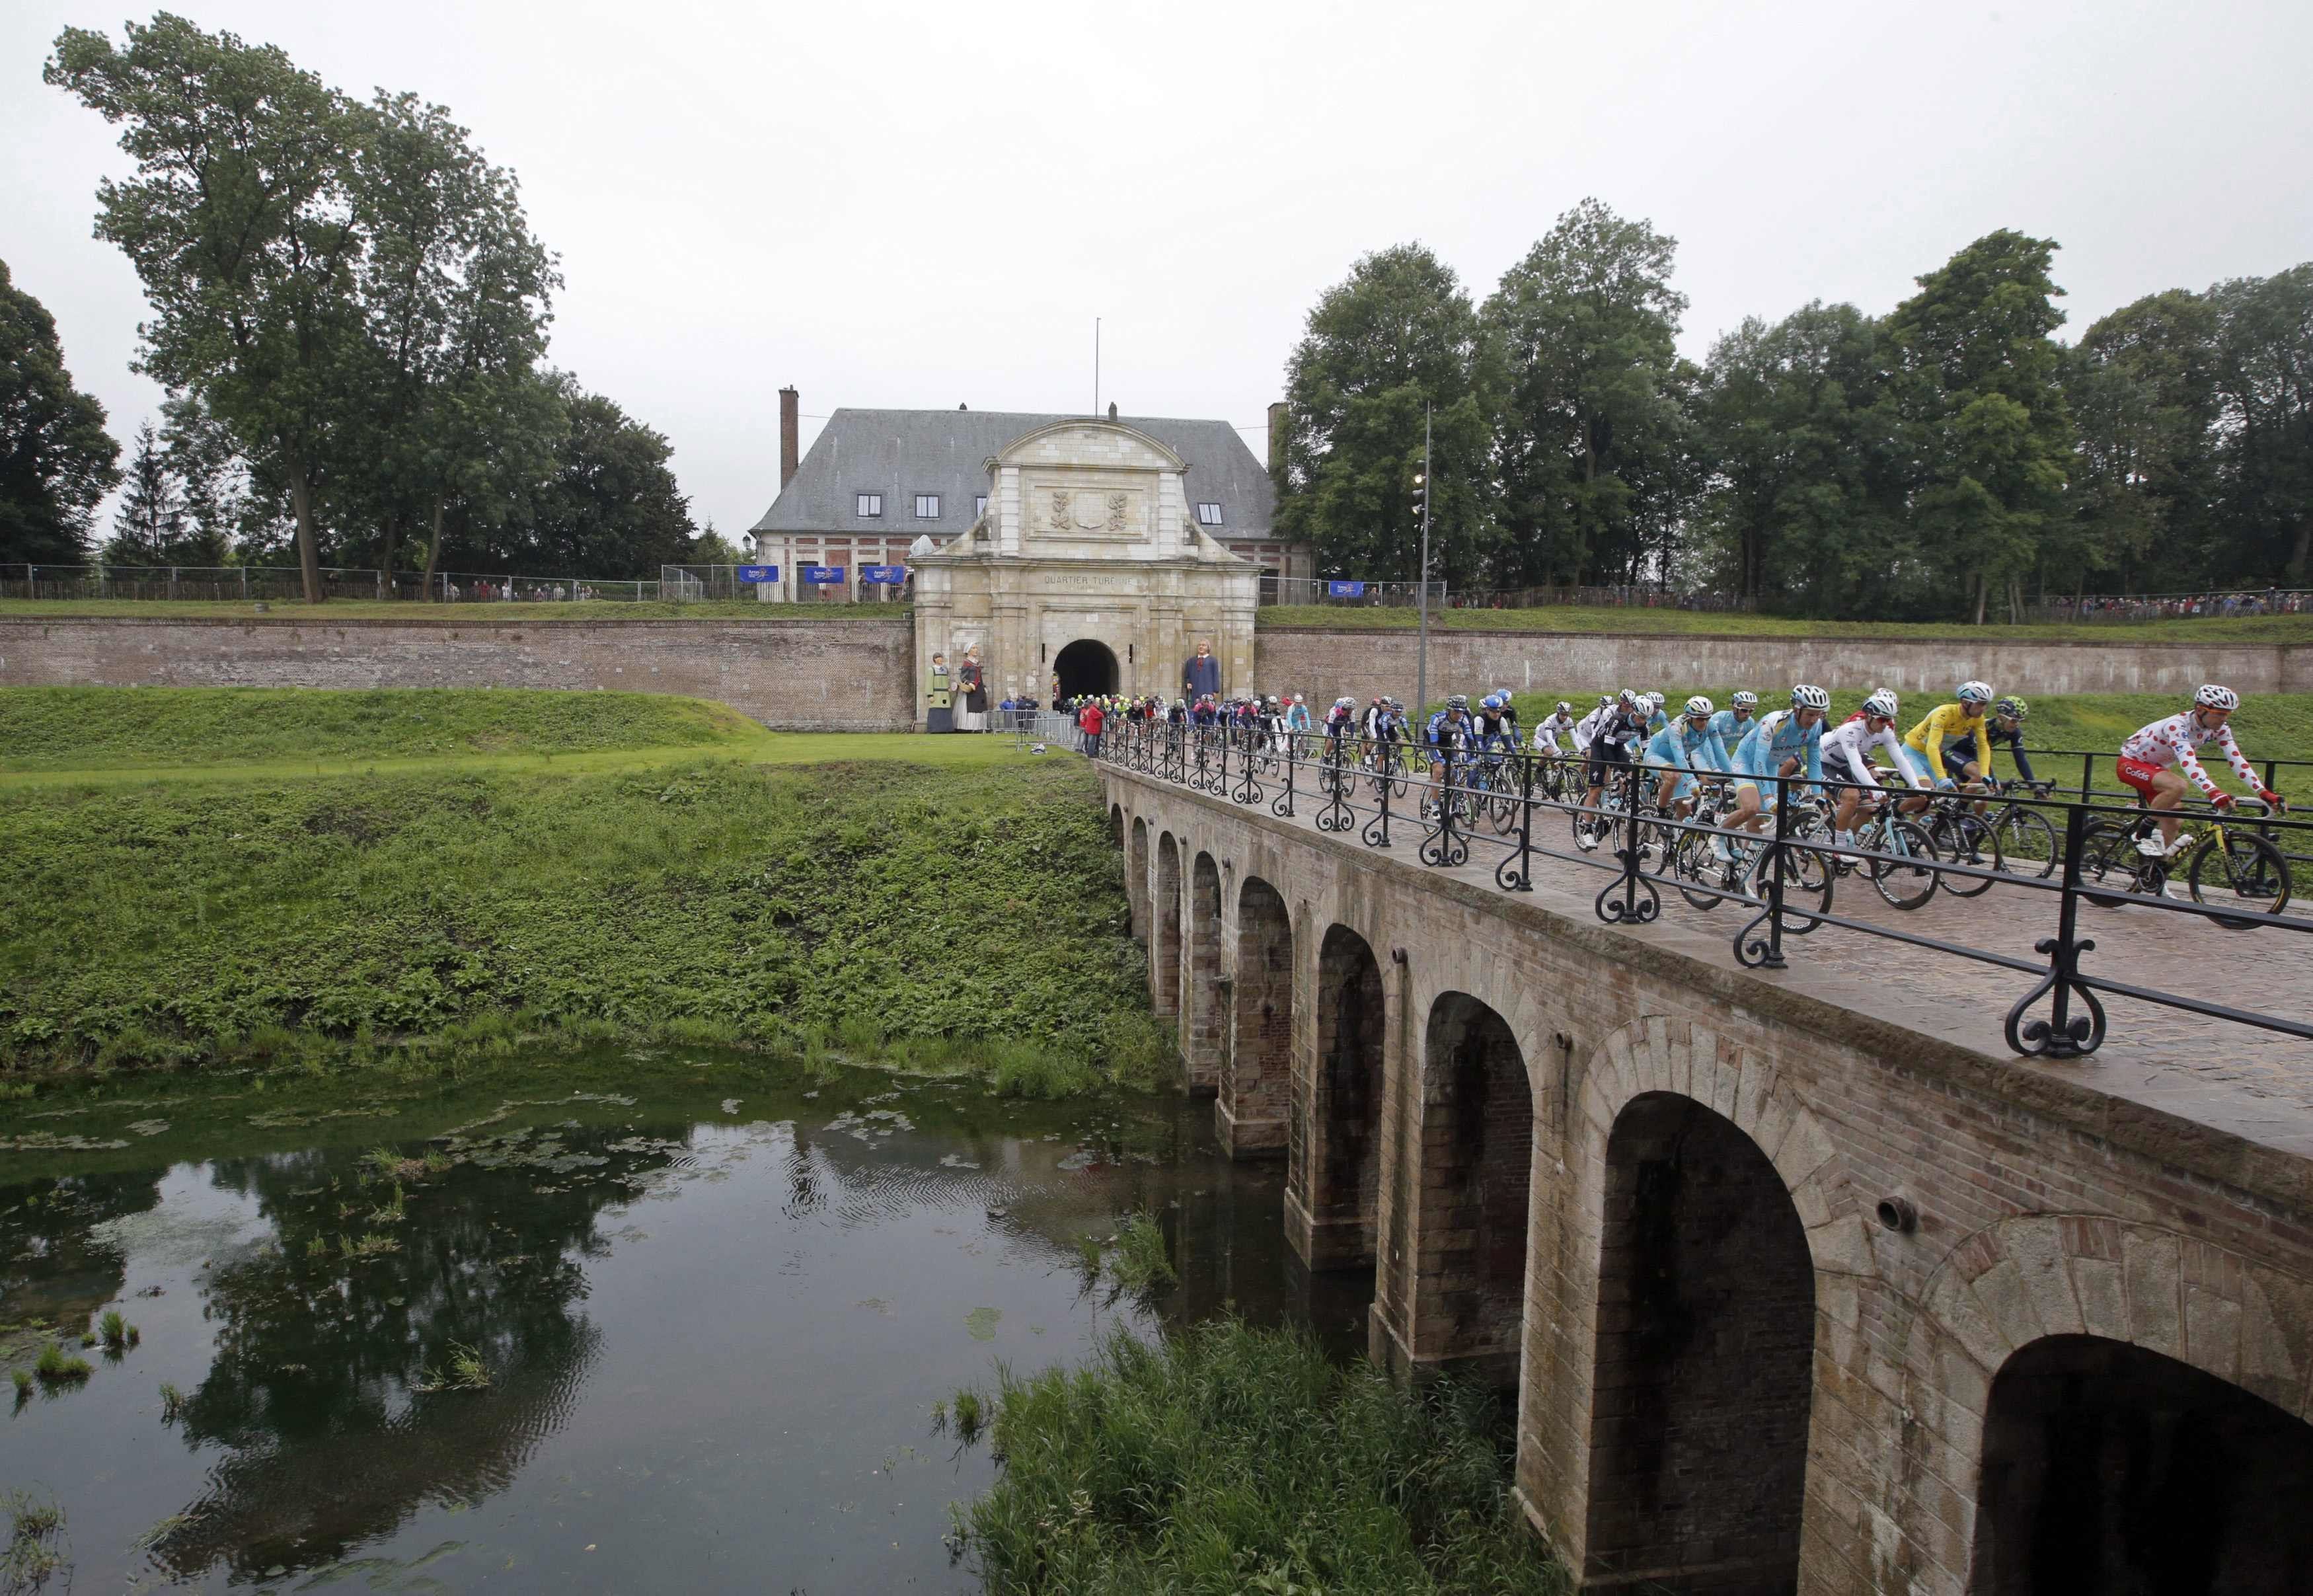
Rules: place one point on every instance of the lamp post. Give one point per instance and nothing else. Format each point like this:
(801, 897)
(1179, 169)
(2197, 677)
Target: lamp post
(1422, 594)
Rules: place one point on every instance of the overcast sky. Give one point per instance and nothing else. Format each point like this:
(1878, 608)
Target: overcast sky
(927, 203)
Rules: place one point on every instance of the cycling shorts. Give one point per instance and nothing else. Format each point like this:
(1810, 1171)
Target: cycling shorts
(1680, 790)
(1604, 754)
(2136, 774)
(1916, 764)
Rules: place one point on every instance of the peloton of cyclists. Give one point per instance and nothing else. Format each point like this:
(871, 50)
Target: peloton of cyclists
(1846, 750)
(1685, 746)
(1783, 743)
(1606, 736)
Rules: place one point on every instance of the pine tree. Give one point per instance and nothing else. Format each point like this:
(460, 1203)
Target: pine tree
(150, 522)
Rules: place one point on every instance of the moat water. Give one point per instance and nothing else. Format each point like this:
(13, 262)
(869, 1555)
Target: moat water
(708, 1317)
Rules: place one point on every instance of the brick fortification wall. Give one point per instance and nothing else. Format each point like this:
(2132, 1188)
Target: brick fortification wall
(799, 676)
(1325, 664)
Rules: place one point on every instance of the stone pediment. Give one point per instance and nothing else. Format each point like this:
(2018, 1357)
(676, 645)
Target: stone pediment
(1090, 444)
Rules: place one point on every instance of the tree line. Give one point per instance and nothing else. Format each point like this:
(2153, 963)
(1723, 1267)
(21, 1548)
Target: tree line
(350, 313)
(1949, 458)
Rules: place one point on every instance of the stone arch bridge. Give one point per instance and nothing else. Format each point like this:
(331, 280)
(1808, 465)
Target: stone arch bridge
(1790, 1297)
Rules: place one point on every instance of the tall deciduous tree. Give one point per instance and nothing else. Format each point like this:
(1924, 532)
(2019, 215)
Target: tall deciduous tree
(1593, 400)
(455, 294)
(2264, 383)
(241, 224)
(2141, 387)
(1984, 397)
(611, 506)
(1805, 502)
(1397, 334)
(57, 460)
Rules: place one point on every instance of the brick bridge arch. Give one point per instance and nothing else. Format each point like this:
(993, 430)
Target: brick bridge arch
(1914, 1186)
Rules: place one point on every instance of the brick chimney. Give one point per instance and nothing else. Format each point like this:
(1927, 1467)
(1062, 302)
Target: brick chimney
(790, 437)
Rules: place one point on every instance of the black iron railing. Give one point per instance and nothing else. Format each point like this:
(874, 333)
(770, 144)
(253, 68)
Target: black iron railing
(1784, 861)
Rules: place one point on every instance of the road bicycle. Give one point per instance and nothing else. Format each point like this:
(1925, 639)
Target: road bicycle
(2028, 844)
(2229, 865)
(1900, 854)
(1963, 837)
(1713, 865)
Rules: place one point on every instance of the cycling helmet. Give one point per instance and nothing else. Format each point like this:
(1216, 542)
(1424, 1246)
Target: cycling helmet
(1492, 701)
(1394, 703)
(1745, 698)
(2014, 709)
(1345, 703)
(1881, 703)
(1974, 692)
(1805, 697)
(1654, 700)
(2214, 697)
(1699, 705)
(1564, 708)
(1460, 700)
(1628, 695)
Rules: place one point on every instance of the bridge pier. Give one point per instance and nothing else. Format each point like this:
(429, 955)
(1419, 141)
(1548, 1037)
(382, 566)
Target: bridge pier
(1643, 1189)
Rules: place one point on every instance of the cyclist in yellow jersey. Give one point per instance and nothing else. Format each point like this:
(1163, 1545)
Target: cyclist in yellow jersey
(1950, 747)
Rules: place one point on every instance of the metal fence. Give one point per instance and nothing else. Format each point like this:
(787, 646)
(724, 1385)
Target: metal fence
(693, 583)
(2233, 874)
(1347, 594)
(1636, 597)
(1055, 728)
(2217, 602)
(287, 584)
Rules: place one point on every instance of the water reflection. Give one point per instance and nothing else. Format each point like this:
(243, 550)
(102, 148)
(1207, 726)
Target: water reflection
(712, 1337)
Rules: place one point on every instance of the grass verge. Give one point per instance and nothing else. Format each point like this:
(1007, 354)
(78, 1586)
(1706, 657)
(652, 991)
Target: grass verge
(1230, 1460)
(94, 728)
(1583, 618)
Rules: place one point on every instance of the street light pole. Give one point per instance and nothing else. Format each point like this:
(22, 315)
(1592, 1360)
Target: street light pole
(1421, 597)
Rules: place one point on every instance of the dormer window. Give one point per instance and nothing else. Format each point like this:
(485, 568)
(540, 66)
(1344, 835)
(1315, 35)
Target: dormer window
(1208, 515)
(927, 507)
(871, 507)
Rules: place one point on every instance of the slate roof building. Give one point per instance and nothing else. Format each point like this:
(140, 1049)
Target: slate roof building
(1077, 554)
(876, 480)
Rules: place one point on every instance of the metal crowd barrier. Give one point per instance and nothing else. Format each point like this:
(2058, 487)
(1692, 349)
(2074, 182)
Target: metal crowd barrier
(2071, 852)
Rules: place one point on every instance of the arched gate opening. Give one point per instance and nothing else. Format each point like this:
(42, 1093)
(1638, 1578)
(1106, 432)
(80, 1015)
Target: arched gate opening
(1084, 667)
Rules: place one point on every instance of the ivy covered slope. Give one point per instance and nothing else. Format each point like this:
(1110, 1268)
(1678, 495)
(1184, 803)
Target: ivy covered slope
(959, 919)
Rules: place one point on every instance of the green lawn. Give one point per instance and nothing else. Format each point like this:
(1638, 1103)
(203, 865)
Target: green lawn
(464, 614)
(2259, 629)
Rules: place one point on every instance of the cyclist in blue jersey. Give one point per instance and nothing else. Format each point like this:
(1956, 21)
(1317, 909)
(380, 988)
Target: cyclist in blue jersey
(1686, 746)
(1730, 726)
(1785, 743)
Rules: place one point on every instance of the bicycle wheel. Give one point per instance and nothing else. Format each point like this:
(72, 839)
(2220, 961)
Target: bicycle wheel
(1905, 873)
(1964, 839)
(2108, 859)
(2236, 869)
(1808, 882)
(1699, 868)
(2028, 842)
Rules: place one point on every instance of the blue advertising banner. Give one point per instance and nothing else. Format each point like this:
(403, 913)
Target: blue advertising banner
(1345, 589)
(822, 575)
(759, 573)
(890, 574)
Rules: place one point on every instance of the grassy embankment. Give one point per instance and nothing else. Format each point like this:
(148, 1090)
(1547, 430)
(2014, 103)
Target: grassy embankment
(467, 613)
(1646, 622)
(1229, 1459)
(966, 916)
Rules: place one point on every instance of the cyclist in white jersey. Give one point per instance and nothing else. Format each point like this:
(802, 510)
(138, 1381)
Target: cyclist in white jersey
(1559, 723)
(2146, 759)
(1847, 757)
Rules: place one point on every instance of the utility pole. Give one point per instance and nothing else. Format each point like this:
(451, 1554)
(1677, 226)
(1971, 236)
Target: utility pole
(1421, 597)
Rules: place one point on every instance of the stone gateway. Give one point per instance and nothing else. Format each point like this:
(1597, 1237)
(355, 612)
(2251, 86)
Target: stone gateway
(1078, 554)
